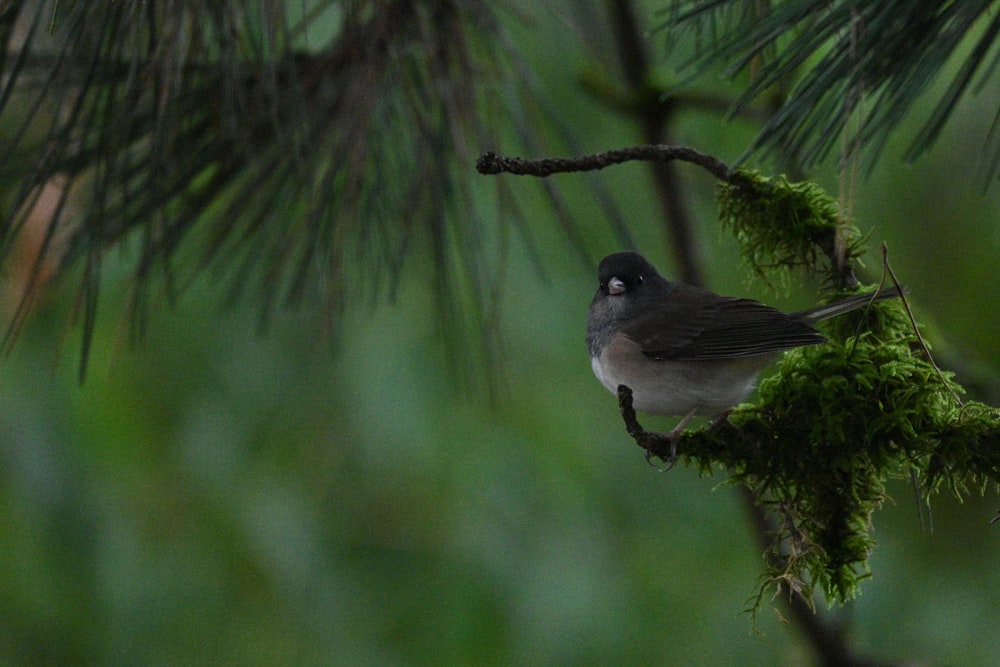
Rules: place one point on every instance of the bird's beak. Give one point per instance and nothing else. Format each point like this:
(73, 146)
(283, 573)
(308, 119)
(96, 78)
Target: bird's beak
(616, 286)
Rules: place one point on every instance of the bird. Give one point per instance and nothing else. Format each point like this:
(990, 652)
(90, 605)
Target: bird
(686, 351)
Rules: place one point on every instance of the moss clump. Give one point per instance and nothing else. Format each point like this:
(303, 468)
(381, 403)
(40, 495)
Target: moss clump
(781, 224)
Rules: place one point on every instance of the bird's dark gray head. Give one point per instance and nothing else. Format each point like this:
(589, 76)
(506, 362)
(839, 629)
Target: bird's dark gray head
(628, 283)
(626, 273)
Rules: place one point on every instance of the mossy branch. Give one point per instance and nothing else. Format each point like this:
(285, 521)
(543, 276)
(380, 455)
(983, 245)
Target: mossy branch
(836, 421)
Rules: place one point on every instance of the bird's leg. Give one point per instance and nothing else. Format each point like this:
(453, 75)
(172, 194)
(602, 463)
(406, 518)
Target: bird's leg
(661, 445)
(721, 419)
(675, 435)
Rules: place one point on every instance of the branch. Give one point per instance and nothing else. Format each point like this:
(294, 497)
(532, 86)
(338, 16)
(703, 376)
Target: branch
(746, 186)
(492, 164)
(660, 445)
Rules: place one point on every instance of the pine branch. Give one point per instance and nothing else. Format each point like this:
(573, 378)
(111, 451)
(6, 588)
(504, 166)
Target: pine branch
(874, 58)
(213, 138)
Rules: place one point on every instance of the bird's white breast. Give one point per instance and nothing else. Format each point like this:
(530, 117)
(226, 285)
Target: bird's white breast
(664, 387)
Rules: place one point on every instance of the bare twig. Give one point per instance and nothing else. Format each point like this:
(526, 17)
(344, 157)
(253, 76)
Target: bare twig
(491, 163)
(913, 323)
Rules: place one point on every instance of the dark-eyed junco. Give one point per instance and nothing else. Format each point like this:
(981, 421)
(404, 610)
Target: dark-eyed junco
(686, 351)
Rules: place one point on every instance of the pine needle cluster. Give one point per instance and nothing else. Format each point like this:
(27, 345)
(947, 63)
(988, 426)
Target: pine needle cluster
(857, 67)
(292, 152)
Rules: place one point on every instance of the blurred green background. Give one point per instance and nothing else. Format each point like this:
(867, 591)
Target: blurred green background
(218, 494)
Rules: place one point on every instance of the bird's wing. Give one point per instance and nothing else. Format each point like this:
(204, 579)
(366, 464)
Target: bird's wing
(694, 324)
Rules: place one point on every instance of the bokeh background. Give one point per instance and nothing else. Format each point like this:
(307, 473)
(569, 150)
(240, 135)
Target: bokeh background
(218, 492)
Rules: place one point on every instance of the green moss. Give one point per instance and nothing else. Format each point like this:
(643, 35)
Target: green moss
(781, 224)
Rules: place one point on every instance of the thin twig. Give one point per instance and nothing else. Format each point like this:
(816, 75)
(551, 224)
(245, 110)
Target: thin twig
(491, 163)
(913, 324)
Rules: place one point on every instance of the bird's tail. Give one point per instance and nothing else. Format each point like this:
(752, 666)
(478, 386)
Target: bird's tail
(836, 308)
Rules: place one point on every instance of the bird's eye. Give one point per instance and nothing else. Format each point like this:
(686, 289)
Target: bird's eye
(640, 279)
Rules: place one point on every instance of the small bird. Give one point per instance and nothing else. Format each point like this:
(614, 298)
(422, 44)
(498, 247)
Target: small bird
(686, 351)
